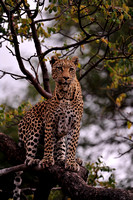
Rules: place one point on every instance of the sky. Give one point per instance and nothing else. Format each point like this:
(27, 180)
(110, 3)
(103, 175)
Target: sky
(9, 88)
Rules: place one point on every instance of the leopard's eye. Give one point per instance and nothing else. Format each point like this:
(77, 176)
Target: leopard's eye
(60, 68)
(71, 69)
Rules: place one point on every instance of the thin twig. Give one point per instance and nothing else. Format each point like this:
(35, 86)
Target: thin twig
(14, 76)
(122, 154)
(52, 18)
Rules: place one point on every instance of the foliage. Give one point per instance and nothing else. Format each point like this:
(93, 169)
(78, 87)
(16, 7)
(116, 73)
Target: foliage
(10, 116)
(98, 171)
(56, 194)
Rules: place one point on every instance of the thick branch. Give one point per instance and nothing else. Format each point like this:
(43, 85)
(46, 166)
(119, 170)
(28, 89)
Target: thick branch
(38, 50)
(72, 183)
(15, 155)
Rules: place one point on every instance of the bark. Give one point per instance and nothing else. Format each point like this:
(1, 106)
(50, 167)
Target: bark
(38, 49)
(73, 184)
(14, 154)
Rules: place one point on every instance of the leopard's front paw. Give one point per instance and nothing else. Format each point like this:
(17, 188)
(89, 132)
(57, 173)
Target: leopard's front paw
(60, 162)
(72, 165)
(79, 161)
(47, 162)
(31, 162)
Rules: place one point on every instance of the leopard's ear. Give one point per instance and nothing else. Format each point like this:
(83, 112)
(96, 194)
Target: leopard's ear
(53, 59)
(75, 60)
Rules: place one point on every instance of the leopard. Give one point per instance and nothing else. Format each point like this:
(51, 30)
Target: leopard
(58, 119)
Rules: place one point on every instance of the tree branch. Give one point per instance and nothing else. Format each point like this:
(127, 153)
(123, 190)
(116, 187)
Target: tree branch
(80, 24)
(15, 155)
(14, 76)
(17, 7)
(76, 44)
(50, 19)
(73, 184)
(38, 50)
(29, 76)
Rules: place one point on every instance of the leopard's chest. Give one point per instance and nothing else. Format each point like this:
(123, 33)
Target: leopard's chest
(65, 116)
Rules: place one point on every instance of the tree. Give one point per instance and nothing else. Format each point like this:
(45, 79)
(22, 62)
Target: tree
(102, 38)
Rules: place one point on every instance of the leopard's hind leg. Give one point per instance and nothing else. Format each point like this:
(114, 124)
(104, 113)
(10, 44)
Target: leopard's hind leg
(31, 148)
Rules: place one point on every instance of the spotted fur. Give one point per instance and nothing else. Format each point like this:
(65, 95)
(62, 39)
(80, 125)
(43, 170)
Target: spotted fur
(58, 117)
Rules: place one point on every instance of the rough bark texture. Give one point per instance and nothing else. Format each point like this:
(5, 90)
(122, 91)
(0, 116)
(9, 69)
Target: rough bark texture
(73, 184)
(15, 155)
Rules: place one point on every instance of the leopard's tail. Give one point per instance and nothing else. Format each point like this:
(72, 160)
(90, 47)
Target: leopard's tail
(17, 183)
(18, 179)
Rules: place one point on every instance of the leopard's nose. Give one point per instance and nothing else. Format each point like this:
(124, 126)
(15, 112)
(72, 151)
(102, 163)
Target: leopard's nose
(65, 77)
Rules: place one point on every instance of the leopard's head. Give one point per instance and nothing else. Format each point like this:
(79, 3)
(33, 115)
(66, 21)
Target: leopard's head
(64, 71)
